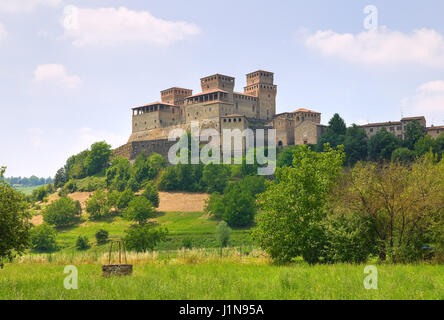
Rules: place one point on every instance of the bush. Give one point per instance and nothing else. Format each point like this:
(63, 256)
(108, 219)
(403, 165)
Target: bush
(125, 198)
(90, 184)
(43, 238)
(133, 185)
(215, 177)
(40, 193)
(98, 206)
(223, 232)
(169, 180)
(62, 212)
(82, 243)
(215, 205)
(143, 238)
(239, 206)
(151, 194)
(70, 186)
(102, 236)
(140, 210)
(187, 243)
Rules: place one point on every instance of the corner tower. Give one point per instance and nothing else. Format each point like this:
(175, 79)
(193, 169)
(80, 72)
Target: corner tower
(261, 85)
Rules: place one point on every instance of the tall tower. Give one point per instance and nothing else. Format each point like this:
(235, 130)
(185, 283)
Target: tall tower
(261, 85)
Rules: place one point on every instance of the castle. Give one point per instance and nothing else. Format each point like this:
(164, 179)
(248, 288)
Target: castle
(219, 107)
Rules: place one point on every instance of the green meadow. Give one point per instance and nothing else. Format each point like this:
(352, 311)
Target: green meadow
(224, 279)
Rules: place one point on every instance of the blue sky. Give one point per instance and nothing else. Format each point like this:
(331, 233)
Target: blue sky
(71, 70)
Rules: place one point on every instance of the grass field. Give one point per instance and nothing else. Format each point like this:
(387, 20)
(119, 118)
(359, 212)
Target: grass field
(224, 280)
(27, 190)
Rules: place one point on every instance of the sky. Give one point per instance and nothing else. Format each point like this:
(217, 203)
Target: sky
(71, 70)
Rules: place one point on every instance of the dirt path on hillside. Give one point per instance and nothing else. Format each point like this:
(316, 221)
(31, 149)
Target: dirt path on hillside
(169, 202)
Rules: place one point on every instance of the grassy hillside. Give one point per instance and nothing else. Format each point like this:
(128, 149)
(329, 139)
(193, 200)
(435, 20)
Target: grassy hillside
(225, 280)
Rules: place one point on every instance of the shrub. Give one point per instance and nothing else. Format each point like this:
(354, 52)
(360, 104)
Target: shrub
(102, 236)
(215, 177)
(98, 206)
(215, 205)
(169, 180)
(151, 193)
(133, 185)
(40, 193)
(143, 238)
(82, 243)
(125, 198)
(239, 206)
(223, 232)
(113, 198)
(43, 238)
(140, 210)
(62, 212)
(187, 243)
(70, 186)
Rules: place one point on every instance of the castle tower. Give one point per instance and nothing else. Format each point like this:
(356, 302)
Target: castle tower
(175, 95)
(261, 85)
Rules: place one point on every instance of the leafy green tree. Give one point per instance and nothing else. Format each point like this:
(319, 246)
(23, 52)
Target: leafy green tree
(82, 243)
(133, 185)
(295, 205)
(413, 132)
(71, 186)
(102, 236)
(144, 238)
(335, 133)
(403, 155)
(424, 145)
(98, 158)
(43, 238)
(98, 205)
(215, 177)
(60, 178)
(118, 175)
(239, 206)
(355, 144)
(62, 212)
(152, 194)
(125, 198)
(141, 168)
(253, 184)
(215, 206)
(285, 157)
(382, 145)
(223, 232)
(75, 166)
(40, 193)
(113, 198)
(14, 222)
(140, 210)
(155, 163)
(169, 180)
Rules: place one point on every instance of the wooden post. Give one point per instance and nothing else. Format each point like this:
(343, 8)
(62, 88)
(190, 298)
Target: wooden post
(120, 254)
(110, 252)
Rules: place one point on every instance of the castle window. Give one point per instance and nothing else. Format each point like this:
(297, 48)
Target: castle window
(229, 120)
(225, 120)
(240, 119)
(234, 120)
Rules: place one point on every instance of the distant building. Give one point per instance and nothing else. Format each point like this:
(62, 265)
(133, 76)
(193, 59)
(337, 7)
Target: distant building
(435, 131)
(219, 107)
(398, 128)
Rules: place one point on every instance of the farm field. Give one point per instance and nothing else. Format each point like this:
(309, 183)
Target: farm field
(224, 280)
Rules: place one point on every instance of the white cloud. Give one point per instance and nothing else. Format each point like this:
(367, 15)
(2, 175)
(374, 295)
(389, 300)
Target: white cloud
(56, 74)
(3, 32)
(428, 101)
(116, 26)
(423, 47)
(16, 6)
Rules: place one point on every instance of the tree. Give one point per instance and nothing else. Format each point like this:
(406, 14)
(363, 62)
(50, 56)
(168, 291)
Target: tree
(75, 166)
(125, 198)
(118, 174)
(82, 243)
(141, 168)
(155, 163)
(382, 145)
(239, 206)
(403, 155)
(215, 177)
(335, 133)
(140, 210)
(285, 157)
(355, 144)
(152, 194)
(253, 184)
(143, 238)
(43, 238)
(295, 204)
(424, 145)
(40, 193)
(404, 204)
(98, 205)
(223, 232)
(60, 178)
(169, 180)
(413, 132)
(62, 212)
(102, 236)
(98, 158)
(14, 221)
(133, 185)
(214, 205)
